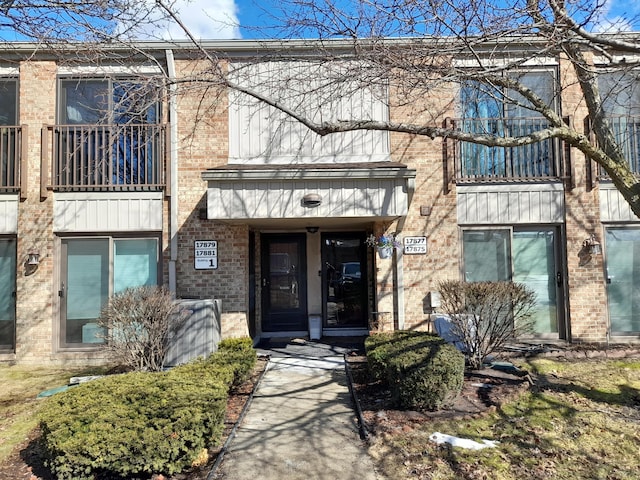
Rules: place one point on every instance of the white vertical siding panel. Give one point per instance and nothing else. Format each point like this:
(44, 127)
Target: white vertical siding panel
(527, 204)
(106, 213)
(613, 206)
(510, 204)
(259, 133)
(282, 199)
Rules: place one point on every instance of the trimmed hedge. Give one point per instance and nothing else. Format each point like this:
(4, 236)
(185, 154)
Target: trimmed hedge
(239, 354)
(140, 423)
(421, 369)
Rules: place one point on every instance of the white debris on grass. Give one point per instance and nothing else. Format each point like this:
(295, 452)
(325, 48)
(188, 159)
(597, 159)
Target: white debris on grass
(440, 438)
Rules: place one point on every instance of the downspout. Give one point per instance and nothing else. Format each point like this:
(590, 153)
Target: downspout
(173, 160)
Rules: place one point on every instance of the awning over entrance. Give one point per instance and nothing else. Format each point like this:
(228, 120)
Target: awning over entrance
(243, 192)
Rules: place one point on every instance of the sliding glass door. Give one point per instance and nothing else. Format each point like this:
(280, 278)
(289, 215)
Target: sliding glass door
(7, 293)
(623, 279)
(93, 269)
(524, 255)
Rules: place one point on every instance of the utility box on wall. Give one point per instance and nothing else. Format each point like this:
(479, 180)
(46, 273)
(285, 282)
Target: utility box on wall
(199, 335)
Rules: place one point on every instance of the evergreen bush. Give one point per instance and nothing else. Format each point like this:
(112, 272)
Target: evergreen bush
(421, 369)
(237, 353)
(140, 423)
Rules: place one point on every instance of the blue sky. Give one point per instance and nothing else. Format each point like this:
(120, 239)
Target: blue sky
(223, 19)
(227, 19)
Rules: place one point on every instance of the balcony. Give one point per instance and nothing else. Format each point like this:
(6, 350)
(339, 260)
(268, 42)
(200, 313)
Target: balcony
(105, 157)
(540, 161)
(12, 171)
(626, 129)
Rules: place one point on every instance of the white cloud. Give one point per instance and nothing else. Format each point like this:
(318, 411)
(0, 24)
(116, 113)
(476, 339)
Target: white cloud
(613, 25)
(205, 19)
(617, 16)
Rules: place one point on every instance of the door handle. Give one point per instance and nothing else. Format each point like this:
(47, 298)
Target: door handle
(61, 291)
(559, 279)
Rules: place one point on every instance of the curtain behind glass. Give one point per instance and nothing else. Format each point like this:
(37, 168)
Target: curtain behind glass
(482, 114)
(87, 278)
(486, 255)
(135, 263)
(623, 279)
(534, 266)
(84, 102)
(7, 279)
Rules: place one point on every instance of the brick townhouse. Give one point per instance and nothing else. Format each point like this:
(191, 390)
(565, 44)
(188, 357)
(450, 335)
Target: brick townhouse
(109, 180)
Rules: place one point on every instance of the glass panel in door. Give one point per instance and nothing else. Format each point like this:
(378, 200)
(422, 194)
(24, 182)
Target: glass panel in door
(7, 293)
(623, 279)
(284, 286)
(344, 281)
(85, 288)
(534, 265)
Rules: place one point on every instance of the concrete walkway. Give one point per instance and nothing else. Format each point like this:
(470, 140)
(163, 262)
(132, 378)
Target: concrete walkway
(301, 423)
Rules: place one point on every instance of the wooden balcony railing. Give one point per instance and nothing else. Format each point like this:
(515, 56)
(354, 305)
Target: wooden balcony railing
(545, 160)
(105, 157)
(626, 130)
(12, 168)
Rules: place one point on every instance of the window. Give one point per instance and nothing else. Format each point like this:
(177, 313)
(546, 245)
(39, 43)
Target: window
(94, 269)
(623, 279)
(524, 255)
(491, 110)
(8, 102)
(620, 93)
(9, 133)
(108, 101)
(108, 134)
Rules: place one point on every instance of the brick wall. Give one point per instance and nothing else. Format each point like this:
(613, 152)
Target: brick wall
(34, 301)
(203, 135)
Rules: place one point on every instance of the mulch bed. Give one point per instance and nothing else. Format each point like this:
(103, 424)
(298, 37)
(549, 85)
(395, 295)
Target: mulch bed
(483, 391)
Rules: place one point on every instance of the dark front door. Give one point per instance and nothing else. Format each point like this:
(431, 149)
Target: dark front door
(344, 282)
(284, 283)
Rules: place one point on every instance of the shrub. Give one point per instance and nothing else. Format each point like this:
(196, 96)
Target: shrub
(380, 347)
(137, 323)
(142, 423)
(486, 315)
(131, 424)
(237, 353)
(236, 344)
(421, 369)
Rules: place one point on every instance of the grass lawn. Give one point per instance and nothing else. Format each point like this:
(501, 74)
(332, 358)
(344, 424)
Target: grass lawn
(18, 403)
(580, 421)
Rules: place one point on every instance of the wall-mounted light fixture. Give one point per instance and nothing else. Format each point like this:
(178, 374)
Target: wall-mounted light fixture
(311, 200)
(33, 258)
(592, 245)
(313, 229)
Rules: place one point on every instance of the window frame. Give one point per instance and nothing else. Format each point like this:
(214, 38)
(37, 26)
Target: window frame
(16, 83)
(111, 111)
(503, 106)
(111, 238)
